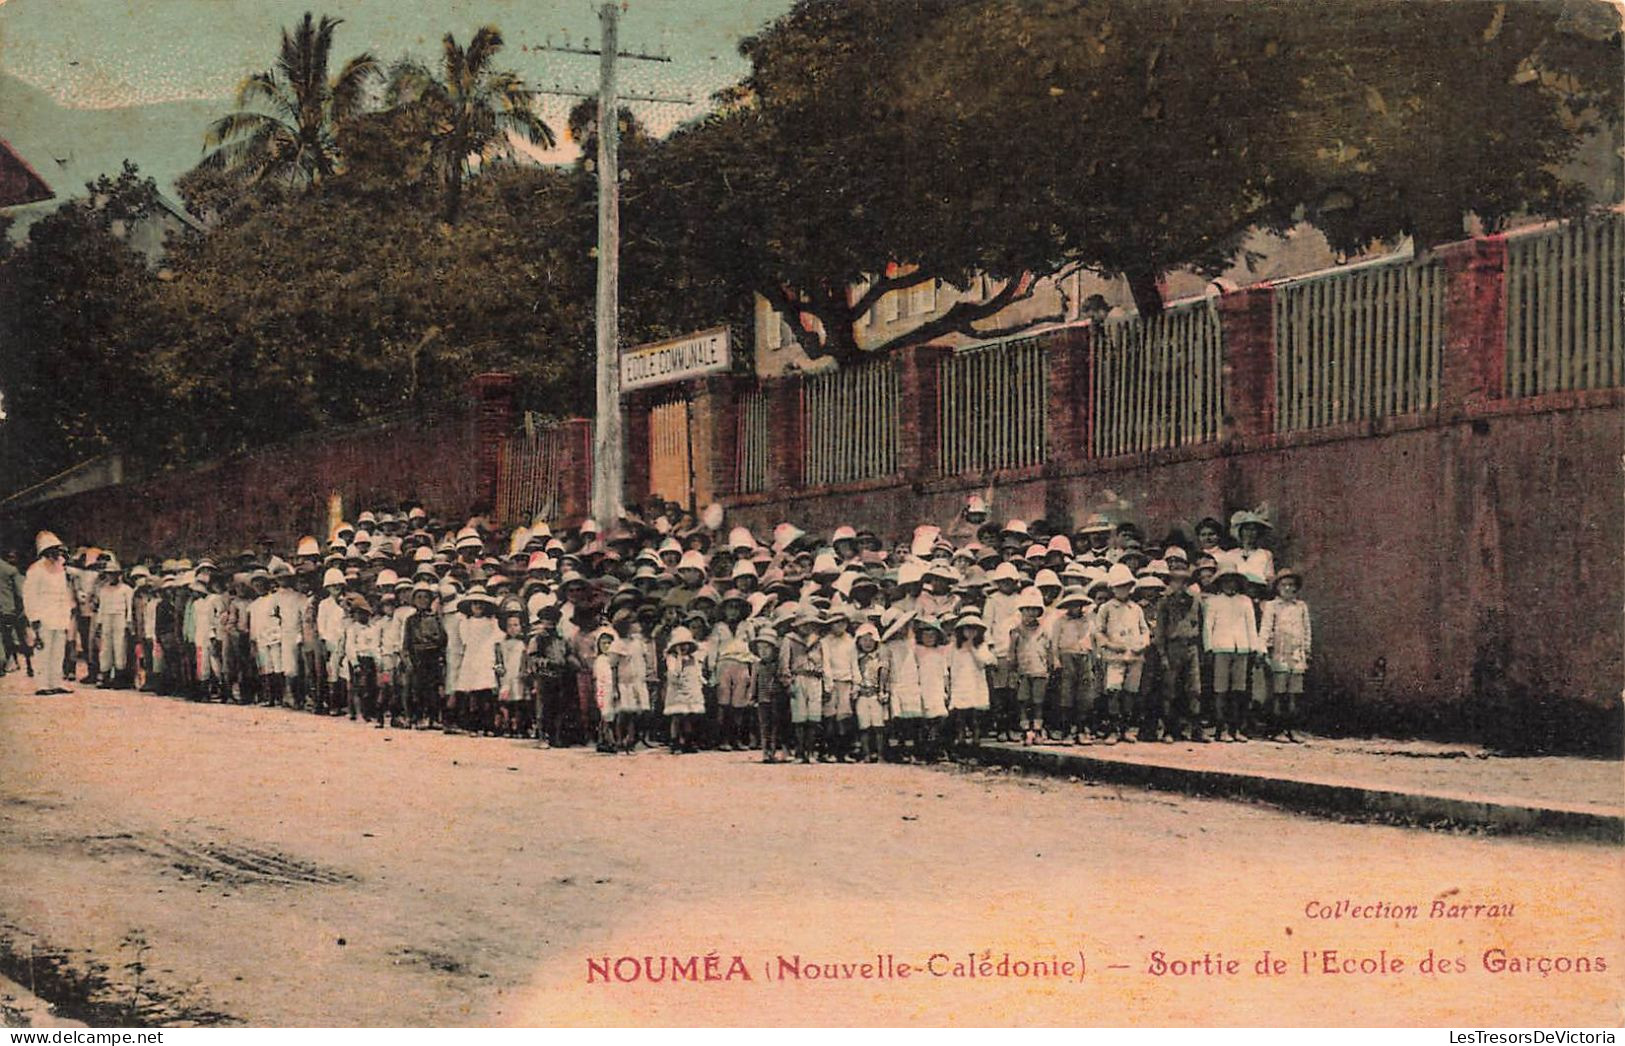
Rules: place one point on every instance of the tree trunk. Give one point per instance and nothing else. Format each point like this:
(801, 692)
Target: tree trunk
(454, 194)
(1142, 283)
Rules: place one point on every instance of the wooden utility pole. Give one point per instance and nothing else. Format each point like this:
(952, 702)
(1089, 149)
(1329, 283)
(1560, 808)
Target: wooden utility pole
(609, 446)
(608, 468)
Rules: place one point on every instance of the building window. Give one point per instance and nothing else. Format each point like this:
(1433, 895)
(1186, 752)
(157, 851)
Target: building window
(923, 298)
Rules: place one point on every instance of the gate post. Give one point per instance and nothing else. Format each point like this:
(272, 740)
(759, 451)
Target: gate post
(714, 423)
(491, 403)
(635, 459)
(784, 422)
(575, 467)
(920, 425)
(1247, 321)
(1472, 365)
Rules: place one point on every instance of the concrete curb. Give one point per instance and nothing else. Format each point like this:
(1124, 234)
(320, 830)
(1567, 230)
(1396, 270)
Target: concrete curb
(1419, 809)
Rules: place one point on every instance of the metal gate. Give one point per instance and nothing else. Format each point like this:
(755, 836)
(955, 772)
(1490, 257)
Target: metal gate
(530, 475)
(671, 452)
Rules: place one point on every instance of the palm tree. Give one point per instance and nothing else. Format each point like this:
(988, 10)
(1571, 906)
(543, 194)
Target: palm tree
(473, 107)
(287, 116)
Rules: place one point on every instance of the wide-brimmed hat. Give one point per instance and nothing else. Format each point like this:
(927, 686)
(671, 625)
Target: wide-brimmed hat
(899, 621)
(1074, 595)
(1244, 517)
(1119, 574)
(970, 619)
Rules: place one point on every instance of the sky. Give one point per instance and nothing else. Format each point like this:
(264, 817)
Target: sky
(84, 83)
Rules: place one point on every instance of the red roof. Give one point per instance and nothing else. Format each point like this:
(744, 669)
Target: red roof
(19, 183)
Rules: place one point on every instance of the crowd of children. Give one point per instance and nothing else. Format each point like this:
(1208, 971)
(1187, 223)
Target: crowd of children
(671, 630)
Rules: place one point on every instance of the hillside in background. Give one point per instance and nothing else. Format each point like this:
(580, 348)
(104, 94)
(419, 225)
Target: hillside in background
(69, 147)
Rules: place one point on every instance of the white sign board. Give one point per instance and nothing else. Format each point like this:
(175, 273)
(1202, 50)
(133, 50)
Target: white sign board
(679, 359)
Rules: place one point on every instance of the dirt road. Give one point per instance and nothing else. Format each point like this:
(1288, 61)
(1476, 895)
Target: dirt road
(194, 863)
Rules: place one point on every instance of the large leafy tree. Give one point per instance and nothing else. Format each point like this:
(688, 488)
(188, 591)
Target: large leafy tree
(286, 123)
(877, 144)
(470, 107)
(78, 322)
(358, 302)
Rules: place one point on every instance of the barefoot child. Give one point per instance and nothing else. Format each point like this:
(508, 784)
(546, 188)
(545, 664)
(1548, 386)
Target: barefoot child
(931, 658)
(548, 663)
(869, 699)
(629, 654)
(1033, 656)
(1074, 649)
(802, 669)
(512, 709)
(1230, 635)
(767, 691)
(840, 678)
(603, 680)
(1285, 637)
(477, 671)
(902, 678)
(734, 661)
(968, 666)
(1121, 636)
(1178, 632)
(685, 698)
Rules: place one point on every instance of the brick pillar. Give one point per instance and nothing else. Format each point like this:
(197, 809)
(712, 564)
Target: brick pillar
(1472, 363)
(575, 464)
(919, 372)
(635, 409)
(1247, 318)
(784, 423)
(1067, 357)
(491, 410)
(714, 423)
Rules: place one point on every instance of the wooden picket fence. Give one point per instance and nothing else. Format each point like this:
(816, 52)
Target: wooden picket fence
(850, 424)
(1566, 307)
(993, 408)
(755, 436)
(530, 474)
(1358, 344)
(1158, 382)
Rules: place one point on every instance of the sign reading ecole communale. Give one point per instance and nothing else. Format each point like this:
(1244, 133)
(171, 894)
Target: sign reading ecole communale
(677, 359)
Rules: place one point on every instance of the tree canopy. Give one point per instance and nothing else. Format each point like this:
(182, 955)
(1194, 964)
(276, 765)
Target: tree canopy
(878, 144)
(288, 116)
(355, 261)
(469, 109)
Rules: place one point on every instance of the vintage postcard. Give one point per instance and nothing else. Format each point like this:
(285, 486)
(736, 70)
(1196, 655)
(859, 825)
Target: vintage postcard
(812, 513)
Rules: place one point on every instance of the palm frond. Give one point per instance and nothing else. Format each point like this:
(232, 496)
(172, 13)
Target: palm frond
(485, 45)
(321, 50)
(349, 87)
(252, 147)
(293, 58)
(238, 125)
(265, 88)
(456, 65)
(410, 82)
(534, 128)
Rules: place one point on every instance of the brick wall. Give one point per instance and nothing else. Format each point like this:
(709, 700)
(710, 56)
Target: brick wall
(447, 462)
(1457, 559)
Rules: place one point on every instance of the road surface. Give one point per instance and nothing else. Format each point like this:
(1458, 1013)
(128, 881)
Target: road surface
(169, 862)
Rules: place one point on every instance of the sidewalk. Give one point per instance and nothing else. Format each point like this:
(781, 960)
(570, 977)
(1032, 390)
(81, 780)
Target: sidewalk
(1410, 782)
